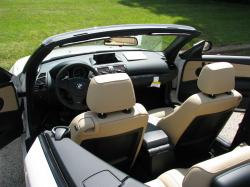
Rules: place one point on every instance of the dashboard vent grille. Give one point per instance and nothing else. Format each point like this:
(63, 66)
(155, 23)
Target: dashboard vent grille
(42, 75)
(103, 70)
(40, 83)
(119, 69)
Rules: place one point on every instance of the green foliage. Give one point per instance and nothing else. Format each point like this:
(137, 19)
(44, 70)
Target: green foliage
(25, 23)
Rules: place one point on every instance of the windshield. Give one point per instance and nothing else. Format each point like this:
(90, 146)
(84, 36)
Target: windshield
(156, 43)
(146, 42)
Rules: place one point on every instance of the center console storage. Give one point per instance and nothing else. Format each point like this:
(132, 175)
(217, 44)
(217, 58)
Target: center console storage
(157, 151)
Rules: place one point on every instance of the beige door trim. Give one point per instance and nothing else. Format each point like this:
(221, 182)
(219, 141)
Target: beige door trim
(8, 95)
(241, 70)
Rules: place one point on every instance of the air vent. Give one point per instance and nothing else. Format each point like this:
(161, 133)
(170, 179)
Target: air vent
(119, 68)
(40, 83)
(42, 75)
(103, 70)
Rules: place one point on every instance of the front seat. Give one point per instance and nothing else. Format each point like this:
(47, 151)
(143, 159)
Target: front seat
(231, 169)
(114, 126)
(194, 125)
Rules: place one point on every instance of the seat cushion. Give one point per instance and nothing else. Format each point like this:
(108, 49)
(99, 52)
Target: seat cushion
(153, 120)
(203, 173)
(161, 112)
(171, 178)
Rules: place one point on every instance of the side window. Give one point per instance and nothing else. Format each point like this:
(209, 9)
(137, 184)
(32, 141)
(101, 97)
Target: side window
(189, 44)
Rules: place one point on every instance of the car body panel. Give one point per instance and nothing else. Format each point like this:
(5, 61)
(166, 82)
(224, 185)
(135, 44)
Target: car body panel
(18, 66)
(35, 162)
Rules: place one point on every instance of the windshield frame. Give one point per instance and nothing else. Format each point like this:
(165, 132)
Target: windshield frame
(77, 45)
(185, 33)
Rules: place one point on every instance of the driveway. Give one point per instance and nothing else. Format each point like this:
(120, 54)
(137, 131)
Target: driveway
(11, 165)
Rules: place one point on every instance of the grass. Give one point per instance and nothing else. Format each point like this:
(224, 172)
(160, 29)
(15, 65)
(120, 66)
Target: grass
(25, 23)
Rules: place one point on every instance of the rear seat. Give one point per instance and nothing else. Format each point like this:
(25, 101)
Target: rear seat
(230, 169)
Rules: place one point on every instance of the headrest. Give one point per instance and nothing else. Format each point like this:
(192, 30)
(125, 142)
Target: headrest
(110, 93)
(216, 78)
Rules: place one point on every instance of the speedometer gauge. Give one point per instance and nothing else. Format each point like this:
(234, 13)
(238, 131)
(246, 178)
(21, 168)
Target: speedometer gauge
(79, 72)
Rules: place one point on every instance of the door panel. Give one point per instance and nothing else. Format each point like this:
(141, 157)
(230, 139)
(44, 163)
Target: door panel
(242, 70)
(189, 76)
(189, 72)
(191, 69)
(10, 114)
(8, 100)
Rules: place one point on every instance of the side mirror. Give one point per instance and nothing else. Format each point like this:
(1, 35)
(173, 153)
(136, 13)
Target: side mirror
(207, 46)
(197, 50)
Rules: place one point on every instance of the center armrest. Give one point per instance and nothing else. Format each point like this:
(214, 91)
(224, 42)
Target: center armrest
(157, 151)
(154, 137)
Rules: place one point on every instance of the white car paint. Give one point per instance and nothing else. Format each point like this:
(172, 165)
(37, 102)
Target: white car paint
(36, 168)
(17, 68)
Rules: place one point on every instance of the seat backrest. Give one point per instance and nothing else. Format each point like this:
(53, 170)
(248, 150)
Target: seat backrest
(243, 133)
(224, 169)
(195, 124)
(114, 126)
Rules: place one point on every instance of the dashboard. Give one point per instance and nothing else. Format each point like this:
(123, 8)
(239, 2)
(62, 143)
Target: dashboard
(141, 66)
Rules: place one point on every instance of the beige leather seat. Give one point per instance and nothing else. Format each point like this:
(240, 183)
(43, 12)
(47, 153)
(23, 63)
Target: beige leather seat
(202, 174)
(162, 112)
(114, 126)
(193, 126)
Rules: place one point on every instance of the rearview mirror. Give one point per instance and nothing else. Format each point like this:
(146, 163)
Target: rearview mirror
(207, 46)
(121, 41)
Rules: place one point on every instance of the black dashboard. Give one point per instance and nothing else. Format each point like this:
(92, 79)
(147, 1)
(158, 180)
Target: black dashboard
(141, 66)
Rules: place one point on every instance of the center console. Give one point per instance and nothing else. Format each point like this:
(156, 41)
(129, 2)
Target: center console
(157, 153)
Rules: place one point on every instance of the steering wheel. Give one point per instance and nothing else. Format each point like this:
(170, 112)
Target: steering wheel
(71, 89)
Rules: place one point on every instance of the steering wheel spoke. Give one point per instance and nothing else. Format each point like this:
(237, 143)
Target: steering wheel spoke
(63, 84)
(77, 100)
(76, 87)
